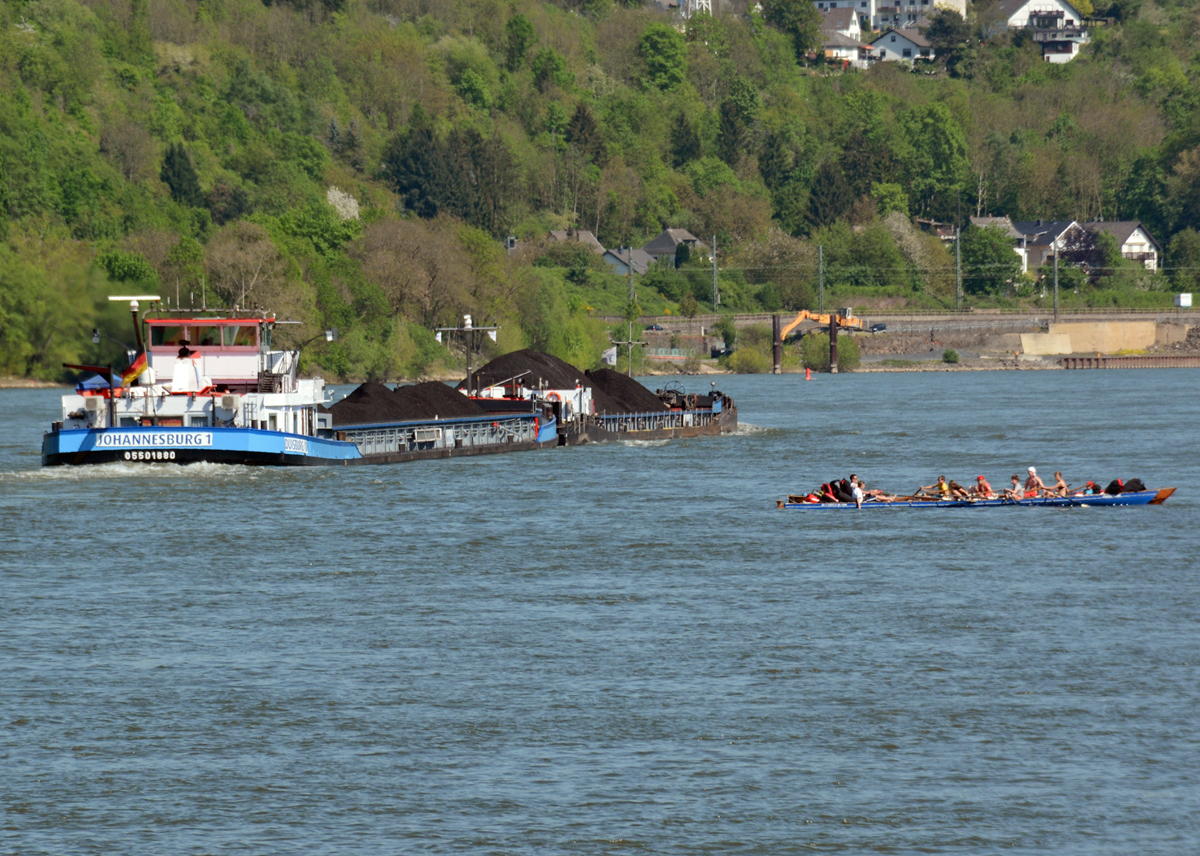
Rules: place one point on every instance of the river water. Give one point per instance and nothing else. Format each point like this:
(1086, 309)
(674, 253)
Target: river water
(621, 648)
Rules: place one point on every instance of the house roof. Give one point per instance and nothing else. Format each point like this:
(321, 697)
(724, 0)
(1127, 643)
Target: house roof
(1008, 8)
(666, 242)
(1042, 232)
(582, 237)
(837, 40)
(1004, 223)
(641, 259)
(1120, 229)
(839, 19)
(912, 35)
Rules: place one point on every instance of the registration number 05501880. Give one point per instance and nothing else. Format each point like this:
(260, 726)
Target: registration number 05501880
(150, 455)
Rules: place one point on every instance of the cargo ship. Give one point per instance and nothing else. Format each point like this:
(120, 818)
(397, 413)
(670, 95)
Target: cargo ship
(207, 386)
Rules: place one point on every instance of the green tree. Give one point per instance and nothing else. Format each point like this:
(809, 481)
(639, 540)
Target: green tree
(519, 35)
(829, 196)
(1183, 261)
(685, 142)
(798, 19)
(128, 267)
(949, 36)
(989, 261)
(937, 161)
(549, 67)
(464, 174)
(179, 175)
(664, 50)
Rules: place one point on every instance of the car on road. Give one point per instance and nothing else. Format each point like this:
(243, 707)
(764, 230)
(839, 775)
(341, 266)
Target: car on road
(877, 328)
(656, 328)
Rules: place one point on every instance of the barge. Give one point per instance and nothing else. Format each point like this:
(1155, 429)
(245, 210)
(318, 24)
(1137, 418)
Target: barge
(233, 399)
(598, 406)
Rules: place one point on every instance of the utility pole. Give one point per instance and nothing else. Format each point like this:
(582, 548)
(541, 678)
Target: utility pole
(1056, 280)
(833, 331)
(469, 330)
(958, 289)
(715, 292)
(820, 279)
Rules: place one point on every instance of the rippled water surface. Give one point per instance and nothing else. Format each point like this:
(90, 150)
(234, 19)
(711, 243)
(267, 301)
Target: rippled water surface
(619, 648)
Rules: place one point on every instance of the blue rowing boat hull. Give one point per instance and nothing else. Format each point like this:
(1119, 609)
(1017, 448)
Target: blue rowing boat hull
(1142, 497)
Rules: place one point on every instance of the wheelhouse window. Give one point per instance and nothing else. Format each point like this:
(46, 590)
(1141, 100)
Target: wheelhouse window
(206, 336)
(162, 334)
(240, 336)
(198, 421)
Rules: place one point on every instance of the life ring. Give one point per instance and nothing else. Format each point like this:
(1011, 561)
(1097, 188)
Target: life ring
(553, 396)
(690, 402)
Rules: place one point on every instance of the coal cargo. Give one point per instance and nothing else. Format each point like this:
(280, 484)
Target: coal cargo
(374, 404)
(629, 395)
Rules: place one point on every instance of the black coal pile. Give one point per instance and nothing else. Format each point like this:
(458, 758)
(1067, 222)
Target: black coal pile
(534, 367)
(373, 403)
(431, 400)
(629, 395)
(536, 370)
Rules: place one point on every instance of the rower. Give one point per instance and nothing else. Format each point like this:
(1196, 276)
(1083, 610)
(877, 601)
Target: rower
(1034, 486)
(982, 488)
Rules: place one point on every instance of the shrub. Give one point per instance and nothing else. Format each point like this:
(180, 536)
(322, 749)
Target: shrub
(814, 352)
(749, 361)
(948, 356)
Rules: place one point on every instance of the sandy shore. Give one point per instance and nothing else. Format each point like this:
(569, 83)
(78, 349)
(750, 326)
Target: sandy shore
(28, 383)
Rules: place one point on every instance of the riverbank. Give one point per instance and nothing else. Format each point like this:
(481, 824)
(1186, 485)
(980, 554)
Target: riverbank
(7, 382)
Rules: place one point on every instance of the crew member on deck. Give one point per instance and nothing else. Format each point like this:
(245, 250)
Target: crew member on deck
(1034, 486)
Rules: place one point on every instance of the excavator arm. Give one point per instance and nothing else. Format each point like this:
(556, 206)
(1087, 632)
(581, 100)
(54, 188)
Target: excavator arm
(846, 321)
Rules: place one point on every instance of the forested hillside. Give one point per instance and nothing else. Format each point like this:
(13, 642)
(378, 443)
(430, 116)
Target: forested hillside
(357, 163)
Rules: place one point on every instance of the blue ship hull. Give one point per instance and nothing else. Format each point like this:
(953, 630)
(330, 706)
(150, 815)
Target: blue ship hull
(192, 445)
(383, 444)
(1143, 497)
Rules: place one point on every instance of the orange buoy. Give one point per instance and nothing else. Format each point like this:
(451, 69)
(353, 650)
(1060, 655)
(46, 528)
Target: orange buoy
(808, 374)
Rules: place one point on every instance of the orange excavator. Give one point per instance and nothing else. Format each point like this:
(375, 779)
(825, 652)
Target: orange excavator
(844, 319)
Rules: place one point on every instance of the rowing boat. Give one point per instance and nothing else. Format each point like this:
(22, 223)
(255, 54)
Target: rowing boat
(1141, 497)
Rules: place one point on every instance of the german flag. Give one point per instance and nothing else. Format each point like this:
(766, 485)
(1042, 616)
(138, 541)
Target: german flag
(135, 368)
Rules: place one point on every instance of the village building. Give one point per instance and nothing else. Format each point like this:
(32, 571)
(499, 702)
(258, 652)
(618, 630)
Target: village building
(864, 10)
(1055, 24)
(1042, 237)
(1137, 244)
(908, 13)
(842, 21)
(622, 258)
(667, 244)
(1011, 230)
(901, 44)
(583, 237)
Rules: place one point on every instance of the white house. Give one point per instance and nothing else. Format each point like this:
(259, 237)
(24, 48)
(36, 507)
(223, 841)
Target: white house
(901, 44)
(1042, 236)
(1056, 25)
(1039, 14)
(841, 48)
(1135, 239)
(906, 13)
(843, 21)
(864, 10)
